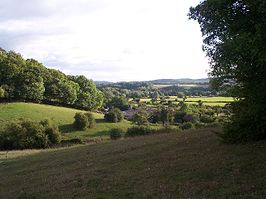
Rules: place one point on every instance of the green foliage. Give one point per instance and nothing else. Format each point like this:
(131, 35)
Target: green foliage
(207, 119)
(235, 38)
(166, 116)
(116, 133)
(140, 117)
(139, 131)
(83, 121)
(91, 119)
(26, 134)
(2, 92)
(119, 102)
(29, 80)
(186, 125)
(52, 131)
(114, 115)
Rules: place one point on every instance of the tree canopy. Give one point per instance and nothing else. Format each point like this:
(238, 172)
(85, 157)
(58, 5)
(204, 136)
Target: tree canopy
(234, 33)
(30, 80)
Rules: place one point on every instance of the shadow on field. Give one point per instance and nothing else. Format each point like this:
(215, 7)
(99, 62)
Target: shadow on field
(100, 121)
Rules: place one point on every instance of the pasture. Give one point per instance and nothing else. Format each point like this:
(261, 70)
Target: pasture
(63, 117)
(191, 164)
(210, 101)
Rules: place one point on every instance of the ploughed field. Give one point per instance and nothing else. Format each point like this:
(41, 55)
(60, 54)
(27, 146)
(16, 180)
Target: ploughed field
(190, 164)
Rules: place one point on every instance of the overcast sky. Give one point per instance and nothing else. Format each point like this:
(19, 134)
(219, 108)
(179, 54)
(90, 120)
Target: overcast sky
(113, 40)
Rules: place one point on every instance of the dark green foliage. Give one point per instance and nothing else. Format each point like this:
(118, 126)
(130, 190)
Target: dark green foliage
(119, 102)
(2, 92)
(207, 119)
(83, 121)
(29, 80)
(140, 117)
(114, 115)
(26, 134)
(91, 119)
(71, 141)
(52, 131)
(198, 125)
(179, 117)
(186, 125)
(166, 116)
(138, 131)
(116, 133)
(235, 38)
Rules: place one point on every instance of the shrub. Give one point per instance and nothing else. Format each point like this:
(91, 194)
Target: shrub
(199, 125)
(140, 117)
(187, 125)
(139, 130)
(83, 121)
(190, 118)
(116, 133)
(179, 117)
(114, 115)
(206, 119)
(26, 134)
(72, 141)
(52, 131)
(91, 119)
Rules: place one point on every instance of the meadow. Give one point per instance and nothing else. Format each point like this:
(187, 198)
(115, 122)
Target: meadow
(63, 117)
(191, 164)
(210, 101)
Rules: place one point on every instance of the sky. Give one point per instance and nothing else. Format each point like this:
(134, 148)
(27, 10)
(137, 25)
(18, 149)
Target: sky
(110, 40)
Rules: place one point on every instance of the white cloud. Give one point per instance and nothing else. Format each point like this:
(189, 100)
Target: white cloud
(107, 40)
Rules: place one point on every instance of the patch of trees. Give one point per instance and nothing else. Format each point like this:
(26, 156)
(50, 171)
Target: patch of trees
(234, 34)
(27, 134)
(185, 116)
(29, 80)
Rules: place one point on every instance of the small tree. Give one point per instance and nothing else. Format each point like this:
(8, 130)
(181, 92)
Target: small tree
(140, 117)
(114, 115)
(83, 121)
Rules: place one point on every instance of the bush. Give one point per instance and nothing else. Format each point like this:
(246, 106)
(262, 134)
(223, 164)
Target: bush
(187, 125)
(179, 117)
(199, 125)
(140, 117)
(190, 118)
(52, 131)
(71, 141)
(114, 115)
(26, 134)
(116, 133)
(206, 119)
(91, 119)
(139, 130)
(83, 121)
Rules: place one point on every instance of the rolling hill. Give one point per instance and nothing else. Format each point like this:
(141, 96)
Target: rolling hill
(63, 117)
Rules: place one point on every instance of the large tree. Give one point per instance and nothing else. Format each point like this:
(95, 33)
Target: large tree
(234, 33)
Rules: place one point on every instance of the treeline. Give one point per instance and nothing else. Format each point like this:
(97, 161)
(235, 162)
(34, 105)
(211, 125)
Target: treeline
(29, 80)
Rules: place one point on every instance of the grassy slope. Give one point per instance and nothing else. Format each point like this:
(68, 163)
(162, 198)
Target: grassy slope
(60, 115)
(186, 165)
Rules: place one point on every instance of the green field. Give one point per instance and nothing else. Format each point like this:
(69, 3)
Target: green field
(61, 116)
(210, 101)
(192, 164)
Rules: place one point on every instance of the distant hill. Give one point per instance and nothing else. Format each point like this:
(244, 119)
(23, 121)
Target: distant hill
(180, 81)
(160, 81)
